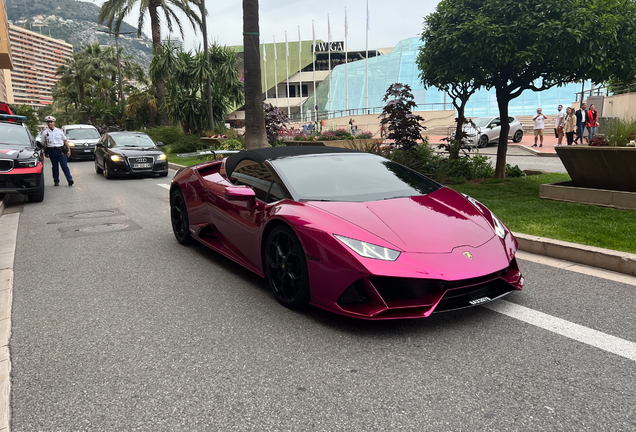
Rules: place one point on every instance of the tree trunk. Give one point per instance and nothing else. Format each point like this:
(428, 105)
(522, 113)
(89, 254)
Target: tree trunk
(502, 102)
(208, 89)
(255, 135)
(155, 27)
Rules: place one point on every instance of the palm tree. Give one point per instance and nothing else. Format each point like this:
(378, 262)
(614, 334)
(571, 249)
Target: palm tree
(255, 135)
(114, 12)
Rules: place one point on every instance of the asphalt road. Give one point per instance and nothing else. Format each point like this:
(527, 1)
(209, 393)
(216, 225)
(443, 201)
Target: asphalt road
(129, 331)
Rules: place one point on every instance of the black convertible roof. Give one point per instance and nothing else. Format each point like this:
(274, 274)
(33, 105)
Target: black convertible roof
(269, 153)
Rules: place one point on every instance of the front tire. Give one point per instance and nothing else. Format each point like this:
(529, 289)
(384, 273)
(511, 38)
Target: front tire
(98, 170)
(107, 173)
(179, 218)
(286, 268)
(39, 195)
(483, 141)
(518, 136)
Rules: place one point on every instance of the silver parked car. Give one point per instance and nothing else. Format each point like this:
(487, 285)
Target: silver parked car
(485, 130)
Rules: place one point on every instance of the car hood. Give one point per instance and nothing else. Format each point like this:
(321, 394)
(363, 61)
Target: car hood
(133, 152)
(16, 151)
(434, 223)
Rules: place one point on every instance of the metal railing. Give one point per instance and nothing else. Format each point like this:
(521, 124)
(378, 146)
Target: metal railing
(327, 115)
(603, 90)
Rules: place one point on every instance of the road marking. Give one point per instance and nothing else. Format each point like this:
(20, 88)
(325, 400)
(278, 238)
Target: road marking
(165, 186)
(578, 268)
(604, 341)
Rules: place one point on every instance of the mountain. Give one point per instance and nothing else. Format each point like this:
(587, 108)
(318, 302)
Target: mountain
(75, 22)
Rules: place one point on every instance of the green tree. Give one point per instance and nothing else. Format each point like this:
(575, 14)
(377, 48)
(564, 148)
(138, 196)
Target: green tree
(255, 135)
(32, 117)
(113, 13)
(403, 127)
(515, 46)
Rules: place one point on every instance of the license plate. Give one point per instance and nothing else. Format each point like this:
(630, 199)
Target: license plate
(87, 151)
(142, 165)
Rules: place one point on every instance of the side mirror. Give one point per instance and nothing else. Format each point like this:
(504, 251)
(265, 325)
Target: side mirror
(159, 144)
(239, 193)
(38, 144)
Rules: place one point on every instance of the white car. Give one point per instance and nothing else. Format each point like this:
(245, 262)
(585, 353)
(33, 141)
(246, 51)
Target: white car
(486, 130)
(82, 139)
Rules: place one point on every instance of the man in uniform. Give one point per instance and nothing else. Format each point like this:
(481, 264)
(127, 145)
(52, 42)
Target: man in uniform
(57, 149)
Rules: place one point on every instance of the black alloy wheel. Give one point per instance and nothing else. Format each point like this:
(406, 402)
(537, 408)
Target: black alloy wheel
(107, 173)
(98, 170)
(483, 141)
(518, 136)
(179, 217)
(286, 268)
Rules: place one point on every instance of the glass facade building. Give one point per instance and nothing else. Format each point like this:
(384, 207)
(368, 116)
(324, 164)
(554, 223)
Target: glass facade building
(400, 66)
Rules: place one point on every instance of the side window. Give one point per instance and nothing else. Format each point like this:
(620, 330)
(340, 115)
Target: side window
(510, 120)
(496, 122)
(275, 193)
(111, 142)
(254, 175)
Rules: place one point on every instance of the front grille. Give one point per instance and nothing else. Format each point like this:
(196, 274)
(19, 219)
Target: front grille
(141, 160)
(6, 165)
(462, 297)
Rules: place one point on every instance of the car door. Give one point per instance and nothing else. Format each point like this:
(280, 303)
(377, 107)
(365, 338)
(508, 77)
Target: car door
(100, 149)
(239, 221)
(494, 129)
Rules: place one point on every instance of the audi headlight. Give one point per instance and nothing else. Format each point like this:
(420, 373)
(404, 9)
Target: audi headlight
(71, 144)
(28, 163)
(115, 158)
(499, 227)
(369, 250)
(162, 157)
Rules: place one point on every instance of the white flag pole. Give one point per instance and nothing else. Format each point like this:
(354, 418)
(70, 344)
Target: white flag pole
(265, 69)
(366, 98)
(275, 71)
(346, 65)
(329, 56)
(287, 66)
(300, 75)
(313, 57)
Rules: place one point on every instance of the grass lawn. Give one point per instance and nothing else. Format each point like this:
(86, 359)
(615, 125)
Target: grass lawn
(185, 161)
(516, 202)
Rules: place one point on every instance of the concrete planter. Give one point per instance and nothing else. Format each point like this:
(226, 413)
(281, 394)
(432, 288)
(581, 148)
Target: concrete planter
(611, 168)
(357, 143)
(211, 142)
(566, 191)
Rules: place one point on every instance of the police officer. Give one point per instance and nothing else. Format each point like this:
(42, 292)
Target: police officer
(57, 149)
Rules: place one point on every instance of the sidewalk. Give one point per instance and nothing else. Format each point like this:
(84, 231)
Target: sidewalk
(514, 149)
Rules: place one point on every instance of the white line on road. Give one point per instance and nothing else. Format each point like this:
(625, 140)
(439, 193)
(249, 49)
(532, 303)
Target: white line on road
(604, 341)
(165, 186)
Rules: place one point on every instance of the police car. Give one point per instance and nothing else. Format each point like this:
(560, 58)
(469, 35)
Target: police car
(21, 160)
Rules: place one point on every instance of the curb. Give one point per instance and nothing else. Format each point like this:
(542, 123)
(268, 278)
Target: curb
(3, 203)
(532, 151)
(175, 166)
(607, 259)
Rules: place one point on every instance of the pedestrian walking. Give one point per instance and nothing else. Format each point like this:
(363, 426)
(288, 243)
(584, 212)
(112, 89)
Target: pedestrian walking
(57, 149)
(310, 127)
(354, 128)
(569, 125)
(592, 122)
(560, 120)
(581, 120)
(539, 126)
(304, 128)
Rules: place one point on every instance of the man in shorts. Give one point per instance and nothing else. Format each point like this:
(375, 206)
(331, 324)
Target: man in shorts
(539, 126)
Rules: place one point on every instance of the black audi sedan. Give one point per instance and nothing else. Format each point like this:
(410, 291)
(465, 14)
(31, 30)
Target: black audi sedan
(129, 153)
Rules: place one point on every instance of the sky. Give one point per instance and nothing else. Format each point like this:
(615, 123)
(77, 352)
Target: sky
(390, 21)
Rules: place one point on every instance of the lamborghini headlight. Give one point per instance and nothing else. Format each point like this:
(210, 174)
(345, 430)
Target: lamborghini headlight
(499, 227)
(369, 250)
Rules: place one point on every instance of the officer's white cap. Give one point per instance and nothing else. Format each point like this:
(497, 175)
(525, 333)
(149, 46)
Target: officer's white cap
(49, 118)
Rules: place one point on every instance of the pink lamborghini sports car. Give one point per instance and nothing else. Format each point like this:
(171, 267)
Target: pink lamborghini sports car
(347, 231)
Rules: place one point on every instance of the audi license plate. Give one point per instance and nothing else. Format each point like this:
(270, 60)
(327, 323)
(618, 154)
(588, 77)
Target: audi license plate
(142, 165)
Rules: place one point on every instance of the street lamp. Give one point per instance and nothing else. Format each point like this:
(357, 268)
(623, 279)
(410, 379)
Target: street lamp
(121, 87)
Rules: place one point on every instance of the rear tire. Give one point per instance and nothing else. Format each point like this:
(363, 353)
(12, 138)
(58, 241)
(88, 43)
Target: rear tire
(179, 217)
(39, 195)
(286, 268)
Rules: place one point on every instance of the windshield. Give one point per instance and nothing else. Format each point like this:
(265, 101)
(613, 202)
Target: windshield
(82, 134)
(14, 134)
(356, 177)
(482, 121)
(133, 141)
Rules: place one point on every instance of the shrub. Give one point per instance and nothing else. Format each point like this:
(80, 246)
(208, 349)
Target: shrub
(327, 136)
(365, 135)
(598, 141)
(514, 171)
(342, 134)
(187, 144)
(616, 133)
(231, 144)
(168, 135)
(397, 116)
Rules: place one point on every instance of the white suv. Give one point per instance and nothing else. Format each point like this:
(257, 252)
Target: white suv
(82, 140)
